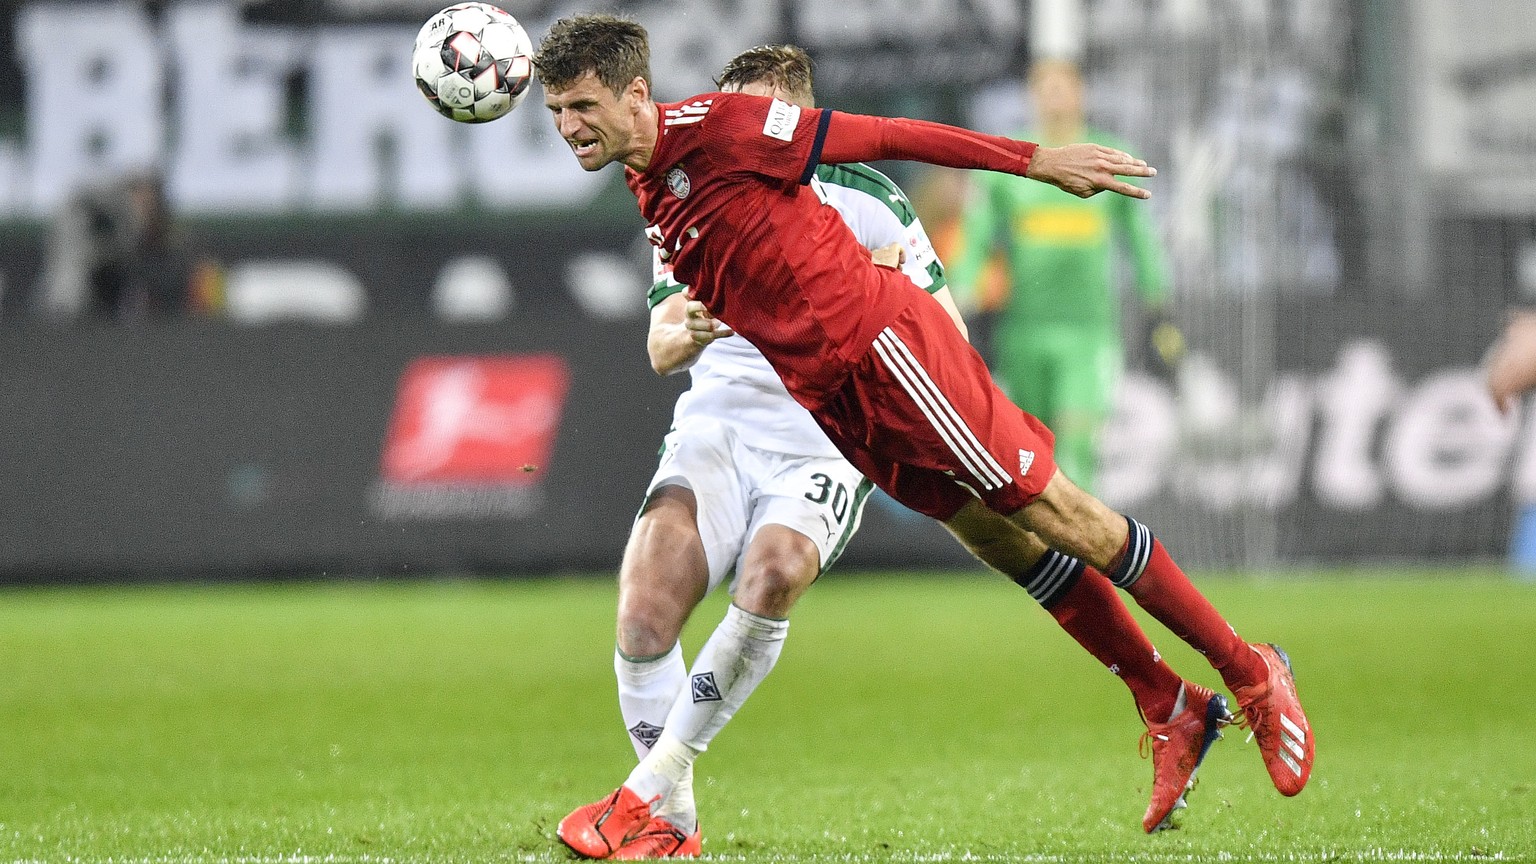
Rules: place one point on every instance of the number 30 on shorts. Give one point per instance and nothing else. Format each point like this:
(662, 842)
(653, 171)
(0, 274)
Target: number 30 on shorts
(828, 490)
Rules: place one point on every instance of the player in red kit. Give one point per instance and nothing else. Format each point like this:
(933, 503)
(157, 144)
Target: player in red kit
(721, 180)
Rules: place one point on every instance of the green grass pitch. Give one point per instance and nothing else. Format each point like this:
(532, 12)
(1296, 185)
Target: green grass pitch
(912, 718)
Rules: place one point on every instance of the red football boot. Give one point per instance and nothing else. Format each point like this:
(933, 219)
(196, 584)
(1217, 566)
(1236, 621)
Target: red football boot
(1272, 713)
(600, 828)
(1177, 748)
(661, 839)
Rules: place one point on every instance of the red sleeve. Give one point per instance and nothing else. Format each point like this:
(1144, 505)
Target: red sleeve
(861, 138)
(765, 136)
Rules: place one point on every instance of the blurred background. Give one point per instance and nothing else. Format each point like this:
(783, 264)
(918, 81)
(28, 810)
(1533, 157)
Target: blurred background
(264, 313)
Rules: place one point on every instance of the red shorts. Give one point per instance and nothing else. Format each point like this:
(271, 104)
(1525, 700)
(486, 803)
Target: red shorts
(921, 418)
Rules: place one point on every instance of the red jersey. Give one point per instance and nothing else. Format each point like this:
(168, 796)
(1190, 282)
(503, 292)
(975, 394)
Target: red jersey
(727, 203)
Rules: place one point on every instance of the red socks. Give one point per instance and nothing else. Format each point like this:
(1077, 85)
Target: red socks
(1093, 614)
(1164, 591)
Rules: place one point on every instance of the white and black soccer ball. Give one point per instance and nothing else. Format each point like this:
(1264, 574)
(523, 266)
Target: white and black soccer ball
(473, 62)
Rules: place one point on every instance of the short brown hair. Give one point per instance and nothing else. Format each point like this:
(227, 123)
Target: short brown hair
(786, 67)
(615, 49)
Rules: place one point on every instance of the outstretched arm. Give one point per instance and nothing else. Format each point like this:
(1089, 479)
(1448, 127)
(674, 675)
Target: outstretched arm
(1088, 169)
(1082, 169)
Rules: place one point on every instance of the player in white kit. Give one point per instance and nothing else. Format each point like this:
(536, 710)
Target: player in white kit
(747, 484)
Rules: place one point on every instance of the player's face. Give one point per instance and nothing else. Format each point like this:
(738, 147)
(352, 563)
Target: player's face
(1058, 90)
(598, 125)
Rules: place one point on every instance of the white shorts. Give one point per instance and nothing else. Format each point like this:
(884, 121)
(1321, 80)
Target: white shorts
(739, 489)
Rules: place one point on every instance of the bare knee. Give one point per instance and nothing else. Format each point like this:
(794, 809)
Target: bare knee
(648, 626)
(1070, 520)
(780, 565)
(664, 574)
(995, 540)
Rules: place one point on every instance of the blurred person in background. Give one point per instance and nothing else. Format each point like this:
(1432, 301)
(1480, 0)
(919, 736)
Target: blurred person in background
(1509, 370)
(113, 253)
(940, 197)
(1054, 331)
(1511, 363)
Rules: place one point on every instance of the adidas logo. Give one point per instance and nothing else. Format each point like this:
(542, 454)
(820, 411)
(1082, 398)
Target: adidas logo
(1292, 740)
(1026, 459)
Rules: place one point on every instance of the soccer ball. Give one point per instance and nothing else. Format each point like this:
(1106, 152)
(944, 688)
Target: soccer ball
(473, 62)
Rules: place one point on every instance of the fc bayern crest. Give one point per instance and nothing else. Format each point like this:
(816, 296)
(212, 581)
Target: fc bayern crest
(678, 182)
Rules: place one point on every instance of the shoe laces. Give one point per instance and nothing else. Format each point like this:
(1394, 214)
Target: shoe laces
(659, 841)
(612, 809)
(1253, 718)
(666, 832)
(1147, 745)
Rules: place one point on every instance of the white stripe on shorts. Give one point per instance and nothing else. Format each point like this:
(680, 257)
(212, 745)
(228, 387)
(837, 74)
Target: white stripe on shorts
(945, 420)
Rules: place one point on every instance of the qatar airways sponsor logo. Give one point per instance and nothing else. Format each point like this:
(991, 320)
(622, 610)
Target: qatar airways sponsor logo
(782, 120)
(1349, 438)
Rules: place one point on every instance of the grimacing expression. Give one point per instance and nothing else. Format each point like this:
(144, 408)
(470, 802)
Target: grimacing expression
(597, 123)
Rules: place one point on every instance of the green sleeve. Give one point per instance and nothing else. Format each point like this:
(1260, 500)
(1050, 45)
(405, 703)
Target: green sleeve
(862, 195)
(1139, 232)
(661, 289)
(663, 284)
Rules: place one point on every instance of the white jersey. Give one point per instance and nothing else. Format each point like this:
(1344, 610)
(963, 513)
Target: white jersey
(731, 380)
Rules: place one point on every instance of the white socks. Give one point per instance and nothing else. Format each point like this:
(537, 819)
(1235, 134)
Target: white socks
(737, 657)
(647, 689)
(678, 808)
